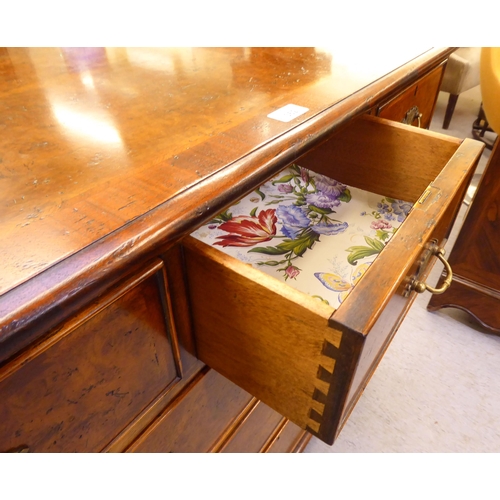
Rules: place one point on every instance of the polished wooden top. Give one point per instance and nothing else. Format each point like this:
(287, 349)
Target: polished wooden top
(113, 150)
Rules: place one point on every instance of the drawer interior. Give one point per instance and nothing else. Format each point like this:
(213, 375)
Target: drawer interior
(382, 156)
(309, 231)
(294, 349)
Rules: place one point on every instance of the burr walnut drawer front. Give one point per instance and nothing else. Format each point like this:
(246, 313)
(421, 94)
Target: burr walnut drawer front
(83, 385)
(306, 356)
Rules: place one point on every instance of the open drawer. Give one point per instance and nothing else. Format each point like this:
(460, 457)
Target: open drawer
(308, 359)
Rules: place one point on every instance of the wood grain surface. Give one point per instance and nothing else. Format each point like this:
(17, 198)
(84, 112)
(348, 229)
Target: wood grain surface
(265, 336)
(197, 418)
(76, 390)
(106, 155)
(93, 138)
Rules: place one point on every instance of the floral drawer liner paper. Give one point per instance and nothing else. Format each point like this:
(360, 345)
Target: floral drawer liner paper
(312, 232)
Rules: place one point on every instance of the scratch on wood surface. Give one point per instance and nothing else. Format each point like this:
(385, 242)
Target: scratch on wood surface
(127, 205)
(116, 393)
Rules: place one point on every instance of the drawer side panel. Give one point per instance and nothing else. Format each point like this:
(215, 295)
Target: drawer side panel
(393, 313)
(271, 340)
(371, 295)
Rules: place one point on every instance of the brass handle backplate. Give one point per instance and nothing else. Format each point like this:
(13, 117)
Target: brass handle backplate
(420, 286)
(411, 115)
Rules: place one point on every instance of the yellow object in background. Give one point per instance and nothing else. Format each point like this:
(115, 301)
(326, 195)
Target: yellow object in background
(490, 85)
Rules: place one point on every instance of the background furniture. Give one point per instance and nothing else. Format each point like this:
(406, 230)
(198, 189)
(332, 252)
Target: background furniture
(482, 131)
(462, 73)
(476, 254)
(490, 85)
(110, 158)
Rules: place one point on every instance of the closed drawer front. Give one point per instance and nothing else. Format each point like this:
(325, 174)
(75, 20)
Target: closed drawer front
(213, 414)
(198, 419)
(415, 106)
(78, 389)
(256, 431)
(287, 440)
(306, 359)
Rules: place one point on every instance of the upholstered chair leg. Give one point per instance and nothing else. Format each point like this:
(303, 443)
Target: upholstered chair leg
(452, 101)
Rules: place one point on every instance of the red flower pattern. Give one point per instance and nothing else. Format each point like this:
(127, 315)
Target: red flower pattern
(246, 231)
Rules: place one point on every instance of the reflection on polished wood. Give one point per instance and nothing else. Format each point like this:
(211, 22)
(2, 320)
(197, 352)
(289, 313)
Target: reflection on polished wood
(93, 138)
(143, 145)
(88, 145)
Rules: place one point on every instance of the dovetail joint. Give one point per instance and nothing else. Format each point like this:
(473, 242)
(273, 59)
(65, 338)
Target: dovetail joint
(323, 374)
(319, 396)
(315, 416)
(329, 350)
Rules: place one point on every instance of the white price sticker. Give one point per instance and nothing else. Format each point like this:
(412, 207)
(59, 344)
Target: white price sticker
(287, 113)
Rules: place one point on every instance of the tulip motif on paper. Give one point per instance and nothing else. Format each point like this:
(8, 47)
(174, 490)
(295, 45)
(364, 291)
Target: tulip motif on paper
(306, 203)
(246, 231)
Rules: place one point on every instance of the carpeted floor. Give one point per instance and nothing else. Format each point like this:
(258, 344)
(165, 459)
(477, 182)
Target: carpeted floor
(438, 387)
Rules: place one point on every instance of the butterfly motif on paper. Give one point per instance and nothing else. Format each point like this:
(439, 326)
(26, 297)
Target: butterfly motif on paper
(337, 283)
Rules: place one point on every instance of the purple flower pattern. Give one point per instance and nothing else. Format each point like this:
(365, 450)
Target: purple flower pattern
(306, 203)
(330, 229)
(285, 188)
(322, 200)
(293, 218)
(394, 209)
(308, 217)
(329, 187)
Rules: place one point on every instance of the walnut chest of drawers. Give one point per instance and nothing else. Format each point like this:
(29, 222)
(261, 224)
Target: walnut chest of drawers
(114, 332)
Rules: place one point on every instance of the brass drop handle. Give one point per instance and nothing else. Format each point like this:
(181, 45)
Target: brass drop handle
(411, 115)
(421, 286)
